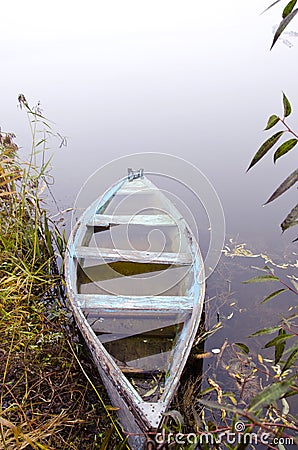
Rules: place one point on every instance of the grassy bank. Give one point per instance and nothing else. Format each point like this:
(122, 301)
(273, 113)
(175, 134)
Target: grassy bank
(46, 401)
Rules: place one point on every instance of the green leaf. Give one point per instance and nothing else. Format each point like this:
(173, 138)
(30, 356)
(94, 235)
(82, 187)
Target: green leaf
(291, 219)
(265, 148)
(265, 331)
(243, 347)
(273, 294)
(261, 279)
(279, 347)
(284, 148)
(272, 121)
(283, 25)
(285, 185)
(280, 338)
(270, 394)
(289, 7)
(290, 360)
(286, 103)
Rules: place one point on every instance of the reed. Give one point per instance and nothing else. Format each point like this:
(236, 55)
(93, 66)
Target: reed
(46, 401)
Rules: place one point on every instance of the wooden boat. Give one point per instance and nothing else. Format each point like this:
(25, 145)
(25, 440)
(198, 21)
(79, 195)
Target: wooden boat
(138, 309)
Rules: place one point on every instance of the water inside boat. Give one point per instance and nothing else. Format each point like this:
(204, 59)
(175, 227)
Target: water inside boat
(142, 341)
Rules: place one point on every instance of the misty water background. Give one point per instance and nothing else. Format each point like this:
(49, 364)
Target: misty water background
(192, 79)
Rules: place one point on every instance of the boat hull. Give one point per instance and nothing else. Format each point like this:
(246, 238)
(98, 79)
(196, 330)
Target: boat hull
(137, 416)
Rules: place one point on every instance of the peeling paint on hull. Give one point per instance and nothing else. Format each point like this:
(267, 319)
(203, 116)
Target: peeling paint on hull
(137, 416)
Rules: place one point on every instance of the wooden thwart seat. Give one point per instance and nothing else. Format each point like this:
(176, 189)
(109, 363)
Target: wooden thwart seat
(104, 220)
(108, 255)
(162, 303)
(137, 187)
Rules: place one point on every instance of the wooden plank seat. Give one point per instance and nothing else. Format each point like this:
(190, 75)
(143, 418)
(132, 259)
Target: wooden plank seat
(129, 304)
(137, 187)
(107, 255)
(105, 220)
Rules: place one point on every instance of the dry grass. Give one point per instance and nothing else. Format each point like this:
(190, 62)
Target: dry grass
(46, 402)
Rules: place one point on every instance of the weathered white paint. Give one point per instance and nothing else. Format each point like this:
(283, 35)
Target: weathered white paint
(112, 254)
(136, 415)
(154, 220)
(133, 303)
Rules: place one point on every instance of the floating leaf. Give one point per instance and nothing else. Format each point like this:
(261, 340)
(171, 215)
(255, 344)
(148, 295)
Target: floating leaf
(242, 346)
(265, 148)
(291, 219)
(285, 185)
(265, 331)
(290, 360)
(272, 121)
(289, 8)
(284, 148)
(261, 279)
(270, 394)
(283, 25)
(287, 105)
(272, 295)
(280, 338)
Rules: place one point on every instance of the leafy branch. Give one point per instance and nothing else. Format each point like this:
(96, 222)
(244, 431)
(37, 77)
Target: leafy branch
(288, 15)
(283, 149)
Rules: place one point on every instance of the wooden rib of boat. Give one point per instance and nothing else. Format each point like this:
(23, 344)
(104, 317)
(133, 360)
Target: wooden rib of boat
(137, 298)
